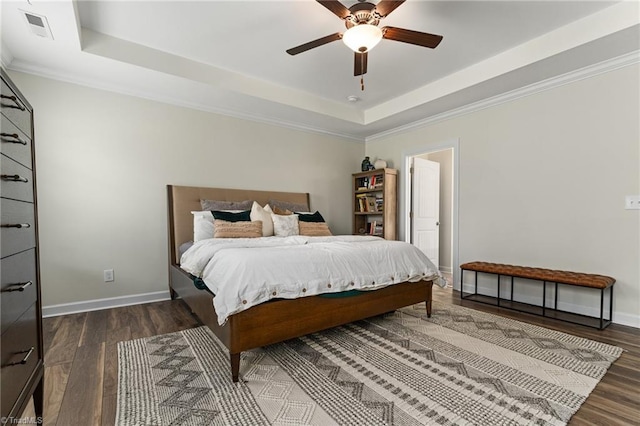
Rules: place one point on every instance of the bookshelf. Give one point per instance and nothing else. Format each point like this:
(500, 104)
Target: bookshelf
(375, 205)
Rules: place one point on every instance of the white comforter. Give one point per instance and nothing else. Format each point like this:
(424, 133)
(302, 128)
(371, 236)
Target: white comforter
(244, 272)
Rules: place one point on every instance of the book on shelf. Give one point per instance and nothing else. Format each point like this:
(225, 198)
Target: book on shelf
(371, 204)
(361, 203)
(378, 181)
(362, 183)
(373, 182)
(368, 203)
(376, 228)
(379, 204)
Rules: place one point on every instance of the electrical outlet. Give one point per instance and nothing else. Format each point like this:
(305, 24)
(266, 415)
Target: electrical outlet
(632, 202)
(108, 275)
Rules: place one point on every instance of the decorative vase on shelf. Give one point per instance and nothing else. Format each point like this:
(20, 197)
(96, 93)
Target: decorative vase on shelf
(380, 164)
(366, 164)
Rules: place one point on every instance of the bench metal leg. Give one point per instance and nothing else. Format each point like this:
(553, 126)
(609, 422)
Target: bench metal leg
(498, 290)
(555, 300)
(604, 323)
(544, 297)
(512, 288)
(475, 289)
(611, 304)
(601, 307)
(461, 285)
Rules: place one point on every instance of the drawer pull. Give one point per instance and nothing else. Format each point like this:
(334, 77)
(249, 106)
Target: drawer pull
(14, 178)
(17, 225)
(15, 138)
(26, 357)
(17, 287)
(14, 100)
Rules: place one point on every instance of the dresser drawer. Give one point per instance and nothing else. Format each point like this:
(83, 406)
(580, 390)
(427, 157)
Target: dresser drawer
(15, 110)
(20, 340)
(17, 272)
(15, 144)
(16, 181)
(18, 227)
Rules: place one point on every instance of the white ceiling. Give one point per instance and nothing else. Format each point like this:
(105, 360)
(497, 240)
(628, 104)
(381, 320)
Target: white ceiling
(229, 56)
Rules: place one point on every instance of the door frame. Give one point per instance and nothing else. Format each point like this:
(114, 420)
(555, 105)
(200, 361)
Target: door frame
(405, 197)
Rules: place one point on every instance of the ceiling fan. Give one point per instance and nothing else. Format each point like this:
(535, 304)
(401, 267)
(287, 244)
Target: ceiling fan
(363, 33)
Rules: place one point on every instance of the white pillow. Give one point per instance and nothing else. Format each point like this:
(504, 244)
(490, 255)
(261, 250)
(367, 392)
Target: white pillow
(259, 213)
(285, 225)
(203, 228)
(202, 225)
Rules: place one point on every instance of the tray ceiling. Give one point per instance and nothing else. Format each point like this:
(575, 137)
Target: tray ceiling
(229, 56)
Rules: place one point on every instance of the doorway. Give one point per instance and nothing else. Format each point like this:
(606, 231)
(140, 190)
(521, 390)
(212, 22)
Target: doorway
(428, 229)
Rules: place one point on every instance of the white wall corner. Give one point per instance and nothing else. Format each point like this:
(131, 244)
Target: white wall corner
(6, 57)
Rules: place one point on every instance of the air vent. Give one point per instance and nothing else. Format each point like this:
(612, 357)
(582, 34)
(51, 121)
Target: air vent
(37, 24)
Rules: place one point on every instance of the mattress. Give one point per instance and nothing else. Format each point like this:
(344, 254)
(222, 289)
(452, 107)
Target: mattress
(244, 272)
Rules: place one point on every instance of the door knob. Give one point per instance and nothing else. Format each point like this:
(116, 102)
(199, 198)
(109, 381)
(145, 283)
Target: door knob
(438, 223)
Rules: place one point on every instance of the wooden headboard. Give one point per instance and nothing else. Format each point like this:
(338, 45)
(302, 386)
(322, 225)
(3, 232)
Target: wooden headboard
(185, 199)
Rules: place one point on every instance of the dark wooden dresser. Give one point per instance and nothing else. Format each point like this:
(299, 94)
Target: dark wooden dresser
(21, 309)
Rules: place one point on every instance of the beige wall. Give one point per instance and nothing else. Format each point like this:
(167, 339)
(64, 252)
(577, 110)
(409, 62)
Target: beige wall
(103, 162)
(543, 181)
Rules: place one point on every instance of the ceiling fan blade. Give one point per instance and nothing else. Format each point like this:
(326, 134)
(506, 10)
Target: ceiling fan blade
(314, 43)
(360, 63)
(385, 7)
(412, 37)
(336, 8)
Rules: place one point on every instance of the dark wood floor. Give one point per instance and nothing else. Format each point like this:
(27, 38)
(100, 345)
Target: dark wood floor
(81, 360)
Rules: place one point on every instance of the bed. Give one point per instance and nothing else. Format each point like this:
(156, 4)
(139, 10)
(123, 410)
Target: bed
(275, 320)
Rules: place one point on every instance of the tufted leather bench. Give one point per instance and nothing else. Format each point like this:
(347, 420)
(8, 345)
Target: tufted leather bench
(600, 282)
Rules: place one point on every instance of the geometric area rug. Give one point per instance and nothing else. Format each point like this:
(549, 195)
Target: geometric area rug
(458, 367)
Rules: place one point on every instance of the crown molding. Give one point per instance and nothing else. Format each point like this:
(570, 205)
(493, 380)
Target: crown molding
(550, 83)
(583, 73)
(20, 66)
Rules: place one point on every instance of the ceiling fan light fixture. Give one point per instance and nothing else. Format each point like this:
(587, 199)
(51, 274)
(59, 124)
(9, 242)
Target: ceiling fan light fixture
(362, 38)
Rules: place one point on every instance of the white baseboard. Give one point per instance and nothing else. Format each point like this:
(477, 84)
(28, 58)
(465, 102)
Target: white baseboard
(446, 269)
(618, 318)
(626, 319)
(98, 304)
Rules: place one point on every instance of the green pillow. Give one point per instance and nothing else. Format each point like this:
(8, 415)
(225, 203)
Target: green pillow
(243, 216)
(313, 217)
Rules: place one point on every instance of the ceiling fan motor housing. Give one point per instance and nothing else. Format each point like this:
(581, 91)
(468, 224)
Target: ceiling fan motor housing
(362, 13)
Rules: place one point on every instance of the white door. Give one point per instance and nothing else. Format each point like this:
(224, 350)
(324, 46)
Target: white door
(425, 208)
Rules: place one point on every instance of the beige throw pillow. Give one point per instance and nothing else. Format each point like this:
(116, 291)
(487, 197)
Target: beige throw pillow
(314, 229)
(224, 229)
(282, 212)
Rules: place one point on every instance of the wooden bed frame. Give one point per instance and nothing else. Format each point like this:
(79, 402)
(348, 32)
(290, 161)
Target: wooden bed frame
(277, 320)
